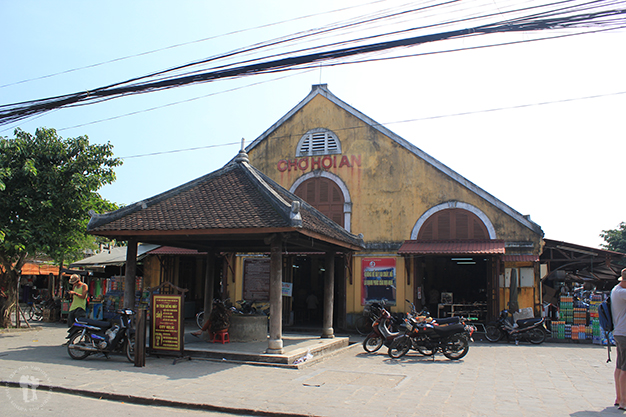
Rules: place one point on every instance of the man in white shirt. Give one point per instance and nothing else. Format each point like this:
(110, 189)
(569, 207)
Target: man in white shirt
(618, 309)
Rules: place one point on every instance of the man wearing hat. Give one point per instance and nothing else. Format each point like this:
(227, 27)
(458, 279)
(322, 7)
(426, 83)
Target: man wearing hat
(79, 294)
(618, 310)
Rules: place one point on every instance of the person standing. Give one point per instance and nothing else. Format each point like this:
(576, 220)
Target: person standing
(618, 310)
(79, 294)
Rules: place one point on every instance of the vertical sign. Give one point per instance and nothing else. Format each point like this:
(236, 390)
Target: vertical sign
(379, 280)
(167, 323)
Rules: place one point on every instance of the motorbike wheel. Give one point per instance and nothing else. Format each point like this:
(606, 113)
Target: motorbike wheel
(536, 336)
(425, 351)
(399, 348)
(130, 348)
(493, 334)
(76, 339)
(456, 348)
(372, 343)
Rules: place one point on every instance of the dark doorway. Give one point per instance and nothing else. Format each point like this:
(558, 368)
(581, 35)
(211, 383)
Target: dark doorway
(457, 284)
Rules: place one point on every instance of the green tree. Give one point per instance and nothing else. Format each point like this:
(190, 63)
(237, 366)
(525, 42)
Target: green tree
(615, 238)
(47, 186)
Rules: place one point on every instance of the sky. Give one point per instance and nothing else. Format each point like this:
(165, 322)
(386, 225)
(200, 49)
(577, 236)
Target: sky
(539, 125)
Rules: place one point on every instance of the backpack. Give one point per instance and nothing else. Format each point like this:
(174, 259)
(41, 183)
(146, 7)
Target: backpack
(606, 322)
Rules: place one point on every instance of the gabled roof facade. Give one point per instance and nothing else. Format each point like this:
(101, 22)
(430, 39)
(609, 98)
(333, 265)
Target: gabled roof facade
(323, 91)
(390, 188)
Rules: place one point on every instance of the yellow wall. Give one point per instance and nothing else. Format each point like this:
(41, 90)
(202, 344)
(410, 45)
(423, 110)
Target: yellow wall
(390, 187)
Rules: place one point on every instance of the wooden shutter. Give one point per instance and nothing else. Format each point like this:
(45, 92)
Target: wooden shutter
(457, 224)
(324, 195)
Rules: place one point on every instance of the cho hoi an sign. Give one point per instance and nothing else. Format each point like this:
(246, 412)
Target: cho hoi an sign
(379, 280)
(312, 163)
(167, 330)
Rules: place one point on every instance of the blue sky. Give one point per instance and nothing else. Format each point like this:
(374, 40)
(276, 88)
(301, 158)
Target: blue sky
(559, 162)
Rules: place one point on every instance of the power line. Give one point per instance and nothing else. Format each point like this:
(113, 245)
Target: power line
(576, 17)
(235, 32)
(420, 119)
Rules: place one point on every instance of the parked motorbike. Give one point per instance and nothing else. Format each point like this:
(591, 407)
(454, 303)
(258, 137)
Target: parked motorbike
(429, 338)
(88, 336)
(532, 330)
(384, 330)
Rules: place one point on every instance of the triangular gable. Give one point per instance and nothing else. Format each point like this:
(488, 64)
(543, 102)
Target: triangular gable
(322, 89)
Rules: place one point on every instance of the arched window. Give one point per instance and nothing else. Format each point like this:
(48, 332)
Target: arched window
(324, 195)
(318, 142)
(453, 224)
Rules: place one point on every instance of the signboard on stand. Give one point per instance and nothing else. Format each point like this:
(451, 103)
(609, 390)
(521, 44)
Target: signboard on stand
(167, 330)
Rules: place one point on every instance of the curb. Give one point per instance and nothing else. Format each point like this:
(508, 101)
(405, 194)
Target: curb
(134, 399)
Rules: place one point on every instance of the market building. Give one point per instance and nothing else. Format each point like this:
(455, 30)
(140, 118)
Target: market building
(428, 231)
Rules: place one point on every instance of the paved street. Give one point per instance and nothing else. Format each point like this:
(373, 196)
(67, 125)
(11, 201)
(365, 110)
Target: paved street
(552, 379)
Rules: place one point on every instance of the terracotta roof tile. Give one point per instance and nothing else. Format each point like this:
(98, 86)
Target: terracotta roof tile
(452, 247)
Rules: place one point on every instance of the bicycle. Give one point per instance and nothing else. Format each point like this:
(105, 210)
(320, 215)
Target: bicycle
(35, 308)
(363, 324)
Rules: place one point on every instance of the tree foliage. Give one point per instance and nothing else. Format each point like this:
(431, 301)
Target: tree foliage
(615, 238)
(47, 186)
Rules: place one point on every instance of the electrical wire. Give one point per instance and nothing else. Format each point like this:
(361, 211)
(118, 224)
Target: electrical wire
(560, 15)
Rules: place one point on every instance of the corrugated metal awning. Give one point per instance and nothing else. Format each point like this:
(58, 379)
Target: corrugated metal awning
(113, 257)
(452, 247)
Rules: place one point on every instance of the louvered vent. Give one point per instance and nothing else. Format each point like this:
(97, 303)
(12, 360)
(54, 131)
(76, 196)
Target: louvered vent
(318, 142)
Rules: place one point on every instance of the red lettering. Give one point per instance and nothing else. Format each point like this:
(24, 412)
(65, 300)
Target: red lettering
(282, 165)
(356, 161)
(303, 166)
(292, 164)
(329, 160)
(314, 162)
(334, 161)
(344, 161)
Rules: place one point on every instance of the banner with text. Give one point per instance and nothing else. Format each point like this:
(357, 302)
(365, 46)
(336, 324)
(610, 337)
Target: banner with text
(379, 280)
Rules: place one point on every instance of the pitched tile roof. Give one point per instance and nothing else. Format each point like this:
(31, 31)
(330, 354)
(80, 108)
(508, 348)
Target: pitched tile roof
(452, 247)
(236, 197)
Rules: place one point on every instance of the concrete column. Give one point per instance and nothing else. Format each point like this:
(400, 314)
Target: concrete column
(276, 297)
(131, 272)
(329, 296)
(209, 284)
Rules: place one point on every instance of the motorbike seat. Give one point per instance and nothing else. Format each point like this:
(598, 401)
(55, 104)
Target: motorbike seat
(447, 320)
(528, 322)
(448, 330)
(92, 322)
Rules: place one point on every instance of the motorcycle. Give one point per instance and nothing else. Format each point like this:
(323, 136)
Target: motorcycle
(429, 338)
(384, 330)
(532, 330)
(88, 336)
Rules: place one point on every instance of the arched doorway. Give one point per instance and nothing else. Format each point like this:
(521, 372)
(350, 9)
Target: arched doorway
(326, 196)
(458, 277)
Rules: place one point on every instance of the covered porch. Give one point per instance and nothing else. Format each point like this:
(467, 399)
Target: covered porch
(236, 209)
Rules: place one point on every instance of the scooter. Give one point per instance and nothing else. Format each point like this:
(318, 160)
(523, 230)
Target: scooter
(532, 330)
(383, 331)
(88, 336)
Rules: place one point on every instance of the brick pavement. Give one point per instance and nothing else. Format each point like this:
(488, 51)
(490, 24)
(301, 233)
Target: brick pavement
(552, 379)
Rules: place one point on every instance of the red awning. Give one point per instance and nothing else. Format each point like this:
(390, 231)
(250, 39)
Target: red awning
(452, 247)
(520, 258)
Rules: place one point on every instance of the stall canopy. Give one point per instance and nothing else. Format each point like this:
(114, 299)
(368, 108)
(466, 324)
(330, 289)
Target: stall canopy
(113, 257)
(568, 261)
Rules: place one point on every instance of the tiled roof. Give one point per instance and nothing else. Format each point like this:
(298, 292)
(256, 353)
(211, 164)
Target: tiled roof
(236, 197)
(520, 258)
(170, 250)
(452, 247)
